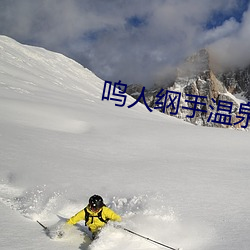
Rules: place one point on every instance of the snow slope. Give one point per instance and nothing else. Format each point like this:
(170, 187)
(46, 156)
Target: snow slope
(182, 185)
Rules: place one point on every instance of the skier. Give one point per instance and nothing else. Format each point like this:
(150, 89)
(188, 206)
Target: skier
(95, 214)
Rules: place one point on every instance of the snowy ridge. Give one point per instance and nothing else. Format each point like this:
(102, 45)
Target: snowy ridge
(182, 185)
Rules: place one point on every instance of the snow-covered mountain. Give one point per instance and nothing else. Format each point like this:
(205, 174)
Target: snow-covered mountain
(182, 185)
(198, 76)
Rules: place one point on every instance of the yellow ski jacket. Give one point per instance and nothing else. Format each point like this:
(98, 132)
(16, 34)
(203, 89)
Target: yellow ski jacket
(94, 223)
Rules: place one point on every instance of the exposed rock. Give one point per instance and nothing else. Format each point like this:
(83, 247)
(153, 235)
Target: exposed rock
(237, 81)
(196, 77)
(134, 90)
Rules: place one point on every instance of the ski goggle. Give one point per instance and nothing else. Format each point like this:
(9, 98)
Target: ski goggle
(94, 208)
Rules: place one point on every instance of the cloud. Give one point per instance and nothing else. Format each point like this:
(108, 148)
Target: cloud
(228, 28)
(134, 41)
(232, 50)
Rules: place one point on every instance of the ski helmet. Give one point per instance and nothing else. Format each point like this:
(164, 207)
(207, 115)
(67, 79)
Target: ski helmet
(95, 202)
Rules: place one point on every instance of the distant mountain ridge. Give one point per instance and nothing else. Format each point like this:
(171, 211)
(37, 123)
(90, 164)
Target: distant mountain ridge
(198, 76)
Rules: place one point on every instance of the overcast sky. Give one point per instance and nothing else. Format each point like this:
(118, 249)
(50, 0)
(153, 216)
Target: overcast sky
(135, 41)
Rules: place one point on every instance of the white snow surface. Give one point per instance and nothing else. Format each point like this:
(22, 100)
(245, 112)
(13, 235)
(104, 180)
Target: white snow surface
(182, 185)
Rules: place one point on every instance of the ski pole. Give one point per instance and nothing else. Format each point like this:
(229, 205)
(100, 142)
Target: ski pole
(146, 238)
(45, 228)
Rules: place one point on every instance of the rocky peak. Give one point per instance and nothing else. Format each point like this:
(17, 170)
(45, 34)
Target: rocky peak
(196, 77)
(197, 64)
